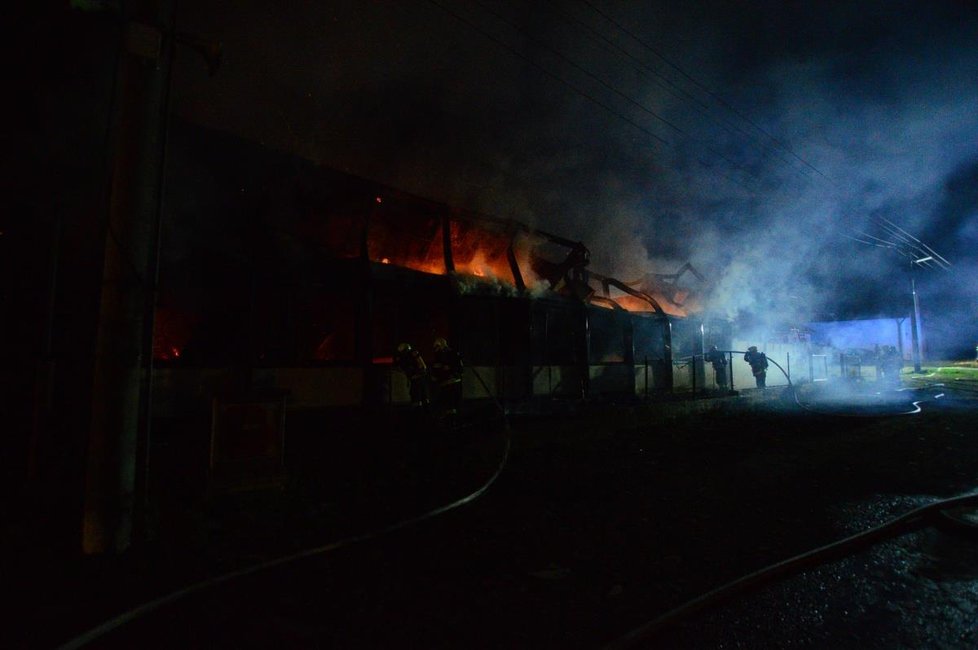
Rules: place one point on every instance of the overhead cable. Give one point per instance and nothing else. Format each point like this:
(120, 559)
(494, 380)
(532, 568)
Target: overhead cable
(702, 87)
(574, 88)
(667, 84)
(642, 107)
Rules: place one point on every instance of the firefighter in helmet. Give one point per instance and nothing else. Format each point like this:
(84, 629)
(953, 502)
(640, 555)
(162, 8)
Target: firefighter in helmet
(446, 373)
(758, 365)
(719, 361)
(409, 361)
(892, 364)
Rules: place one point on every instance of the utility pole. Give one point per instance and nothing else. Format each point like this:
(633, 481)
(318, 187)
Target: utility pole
(903, 243)
(915, 318)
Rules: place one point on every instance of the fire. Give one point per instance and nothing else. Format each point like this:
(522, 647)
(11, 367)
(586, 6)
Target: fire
(171, 333)
(416, 240)
(481, 266)
(481, 252)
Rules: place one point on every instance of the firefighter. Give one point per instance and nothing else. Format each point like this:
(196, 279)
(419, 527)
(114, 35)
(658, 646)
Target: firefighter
(758, 365)
(892, 364)
(446, 373)
(411, 363)
(719, 361)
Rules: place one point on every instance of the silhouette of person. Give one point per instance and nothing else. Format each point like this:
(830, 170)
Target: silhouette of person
(758, 365)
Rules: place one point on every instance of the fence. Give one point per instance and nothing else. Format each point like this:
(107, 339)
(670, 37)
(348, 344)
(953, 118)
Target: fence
(694, 374)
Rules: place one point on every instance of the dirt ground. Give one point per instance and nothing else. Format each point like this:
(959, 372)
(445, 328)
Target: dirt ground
(602, 519)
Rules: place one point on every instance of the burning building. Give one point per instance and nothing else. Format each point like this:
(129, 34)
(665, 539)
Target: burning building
(303, 280)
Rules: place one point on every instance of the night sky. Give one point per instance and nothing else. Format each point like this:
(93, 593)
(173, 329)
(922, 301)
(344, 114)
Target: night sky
(756, 140)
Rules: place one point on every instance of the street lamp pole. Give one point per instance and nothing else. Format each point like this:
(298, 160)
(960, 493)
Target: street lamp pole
(907, 245)
(915, 315)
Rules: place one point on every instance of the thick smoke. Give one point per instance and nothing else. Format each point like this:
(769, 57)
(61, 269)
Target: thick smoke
(857, 113)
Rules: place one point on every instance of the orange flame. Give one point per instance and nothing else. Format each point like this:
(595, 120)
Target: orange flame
(415, 241)
(171, 332)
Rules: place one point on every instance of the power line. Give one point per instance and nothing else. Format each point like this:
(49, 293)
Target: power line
(940, 260)
(550, 74)
(882, 243)
(699, 85)
(606, 85)
(667, 84)
(903, 234)
(913, 247)
(863, 241)
(569, 85)
(904, 244)
(891, 227)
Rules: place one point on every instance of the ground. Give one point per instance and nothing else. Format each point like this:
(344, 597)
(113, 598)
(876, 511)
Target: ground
(601, 519)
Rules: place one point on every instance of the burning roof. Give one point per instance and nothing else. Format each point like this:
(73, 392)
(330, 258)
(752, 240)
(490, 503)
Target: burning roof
(505, 255)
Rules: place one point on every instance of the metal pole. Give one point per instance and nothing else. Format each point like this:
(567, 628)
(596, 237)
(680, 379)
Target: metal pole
(788, 354)
(546, 356)
(731, 371)
(915, 324)
(667, 348)
(646, 376)
(899, 324)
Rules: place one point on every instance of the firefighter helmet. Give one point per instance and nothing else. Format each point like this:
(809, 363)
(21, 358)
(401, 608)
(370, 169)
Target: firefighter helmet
(404, 348)
(440, 344)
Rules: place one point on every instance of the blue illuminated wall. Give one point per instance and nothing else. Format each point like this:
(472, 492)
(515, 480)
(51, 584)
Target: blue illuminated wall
(865, 333)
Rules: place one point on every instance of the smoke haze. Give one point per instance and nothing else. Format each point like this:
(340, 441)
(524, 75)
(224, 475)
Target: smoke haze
(854, 112)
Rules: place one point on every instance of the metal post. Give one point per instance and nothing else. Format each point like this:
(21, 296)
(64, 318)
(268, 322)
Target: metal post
(915, 324)
(446, 243)
(646, 376)
(667, 360)
(547, 357)
(731, 371)
(899, 324)
(788, 355)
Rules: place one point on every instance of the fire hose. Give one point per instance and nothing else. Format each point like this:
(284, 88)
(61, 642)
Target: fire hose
(915, 406)
(940, 514)
(149, 607)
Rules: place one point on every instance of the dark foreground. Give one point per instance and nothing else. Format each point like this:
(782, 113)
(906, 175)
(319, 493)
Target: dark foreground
(600, 521)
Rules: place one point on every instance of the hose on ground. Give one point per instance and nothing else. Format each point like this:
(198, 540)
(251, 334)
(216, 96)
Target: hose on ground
(848, 413)
(939, 514)
(149, 607)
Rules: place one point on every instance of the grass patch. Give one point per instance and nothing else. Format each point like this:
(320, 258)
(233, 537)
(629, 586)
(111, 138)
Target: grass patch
(949, 369)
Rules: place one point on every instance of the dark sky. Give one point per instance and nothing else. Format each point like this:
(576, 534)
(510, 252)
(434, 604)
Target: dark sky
(749, 138)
